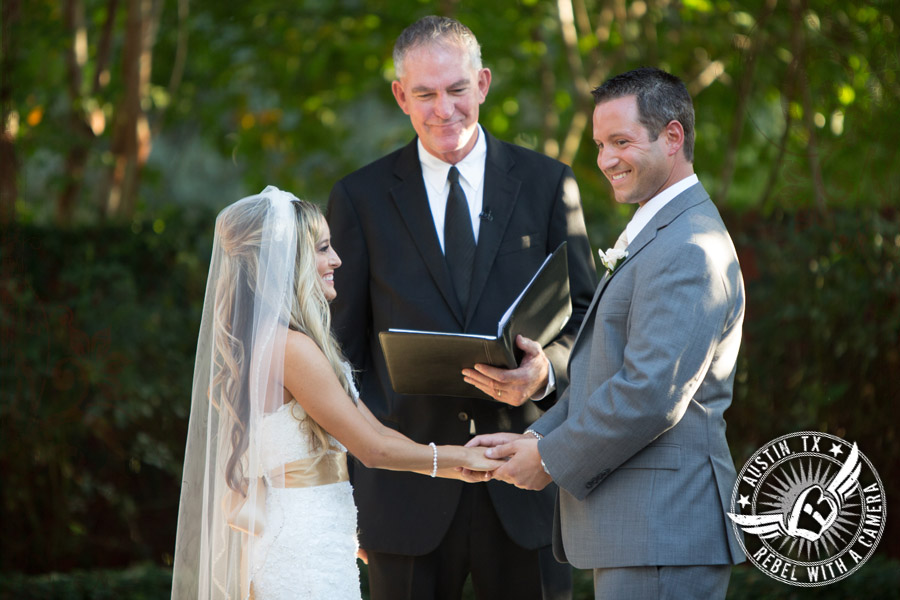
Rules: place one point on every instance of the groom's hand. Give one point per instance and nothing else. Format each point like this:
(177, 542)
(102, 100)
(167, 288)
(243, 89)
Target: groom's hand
(487, 440)
(523, 468)
(513, 386)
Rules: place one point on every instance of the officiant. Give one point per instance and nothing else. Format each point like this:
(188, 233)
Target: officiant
(441, 235)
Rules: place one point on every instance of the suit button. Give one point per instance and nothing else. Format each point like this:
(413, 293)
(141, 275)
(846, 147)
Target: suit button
(463, 416)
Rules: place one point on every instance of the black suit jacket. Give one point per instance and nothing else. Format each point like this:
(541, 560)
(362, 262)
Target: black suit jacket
(394, 275)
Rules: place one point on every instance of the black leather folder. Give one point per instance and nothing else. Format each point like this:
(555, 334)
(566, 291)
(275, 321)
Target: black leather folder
(430, 362)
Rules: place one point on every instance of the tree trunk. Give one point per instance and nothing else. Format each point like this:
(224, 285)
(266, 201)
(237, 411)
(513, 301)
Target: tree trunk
(8, 160)
(83, 134)
(77, 153)
(131, 139)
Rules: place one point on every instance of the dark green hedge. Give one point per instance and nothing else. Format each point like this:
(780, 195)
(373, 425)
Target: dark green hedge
(879, 579)
(821, 347)
(99, 328)
(144, 582)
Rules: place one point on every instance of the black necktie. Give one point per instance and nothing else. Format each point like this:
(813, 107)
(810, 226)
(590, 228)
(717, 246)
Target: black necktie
(459, 239)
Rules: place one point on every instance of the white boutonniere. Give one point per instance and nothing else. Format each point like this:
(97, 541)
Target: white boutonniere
(611, 258)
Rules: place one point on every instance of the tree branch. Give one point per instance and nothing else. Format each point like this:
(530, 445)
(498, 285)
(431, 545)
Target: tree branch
(798, 8)
(105, 46)
(9, 191)
(582, 103)
(77, 152)
(790, 93)
(549, 117)
(765, 199)
(132, 137)
(180, 48)
(743, 92)
(583, 25)
(76, 49)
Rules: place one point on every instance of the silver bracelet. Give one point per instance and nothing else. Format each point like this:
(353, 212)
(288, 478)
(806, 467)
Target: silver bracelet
(434, 465)
(534, 433)
(539, 438)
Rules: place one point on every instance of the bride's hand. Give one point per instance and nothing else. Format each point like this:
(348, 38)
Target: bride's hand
(477, 467)
(475, 460)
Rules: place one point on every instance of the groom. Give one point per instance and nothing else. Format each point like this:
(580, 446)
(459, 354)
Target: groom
(637, 442)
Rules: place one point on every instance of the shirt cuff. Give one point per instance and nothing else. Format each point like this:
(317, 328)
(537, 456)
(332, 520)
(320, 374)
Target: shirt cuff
(551, 384)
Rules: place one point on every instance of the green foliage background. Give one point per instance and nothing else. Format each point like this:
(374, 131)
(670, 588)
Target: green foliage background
(797, 103)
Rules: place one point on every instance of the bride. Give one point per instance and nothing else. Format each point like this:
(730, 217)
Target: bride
(266, 506)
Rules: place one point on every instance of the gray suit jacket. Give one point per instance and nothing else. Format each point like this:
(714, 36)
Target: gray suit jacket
(637, 443)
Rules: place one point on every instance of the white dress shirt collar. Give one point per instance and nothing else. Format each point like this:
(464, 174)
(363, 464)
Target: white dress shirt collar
(471, 178)
(471, 167)
(655, 204)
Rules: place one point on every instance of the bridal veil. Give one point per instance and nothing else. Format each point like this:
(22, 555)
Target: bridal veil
(238, 378)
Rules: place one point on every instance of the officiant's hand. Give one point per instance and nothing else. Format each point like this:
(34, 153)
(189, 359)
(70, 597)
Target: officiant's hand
(523, 466)
(513, 386)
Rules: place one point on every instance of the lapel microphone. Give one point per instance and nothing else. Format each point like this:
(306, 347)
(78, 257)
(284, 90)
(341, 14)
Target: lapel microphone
(486, 214)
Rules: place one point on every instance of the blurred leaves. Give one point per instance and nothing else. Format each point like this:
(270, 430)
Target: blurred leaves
(791, 98)
(796, 103)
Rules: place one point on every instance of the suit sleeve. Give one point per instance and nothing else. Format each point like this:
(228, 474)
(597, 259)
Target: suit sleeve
(351, 315)
(567, 224)
(674, 324)
(555, 415)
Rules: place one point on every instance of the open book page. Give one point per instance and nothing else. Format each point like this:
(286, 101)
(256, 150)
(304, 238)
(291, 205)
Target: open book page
(420, 332)
(509, 311)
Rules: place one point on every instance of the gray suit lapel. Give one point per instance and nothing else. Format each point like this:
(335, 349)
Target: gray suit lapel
(500, 194)
(690, 197)
(411, 200)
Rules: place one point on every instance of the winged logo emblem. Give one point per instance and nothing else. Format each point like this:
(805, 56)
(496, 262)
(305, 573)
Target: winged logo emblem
(814, 510)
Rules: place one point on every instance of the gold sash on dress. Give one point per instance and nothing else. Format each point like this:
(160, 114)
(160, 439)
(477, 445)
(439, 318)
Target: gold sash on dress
(325, 469)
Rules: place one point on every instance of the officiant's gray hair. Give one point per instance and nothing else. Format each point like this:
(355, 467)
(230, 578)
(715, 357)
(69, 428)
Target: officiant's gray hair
(436, 30)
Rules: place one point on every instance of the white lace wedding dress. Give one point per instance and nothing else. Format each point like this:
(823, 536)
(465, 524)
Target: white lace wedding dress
(308, 548)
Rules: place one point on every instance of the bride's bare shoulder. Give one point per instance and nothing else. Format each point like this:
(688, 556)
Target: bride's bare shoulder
(307, 372)
(298, 345)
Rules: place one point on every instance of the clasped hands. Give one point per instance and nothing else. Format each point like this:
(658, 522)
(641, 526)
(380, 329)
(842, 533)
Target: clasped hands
(522, 461)
(521, 464)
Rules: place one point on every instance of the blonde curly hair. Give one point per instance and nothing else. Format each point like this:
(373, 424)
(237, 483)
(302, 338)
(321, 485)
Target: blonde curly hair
(240, 230)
